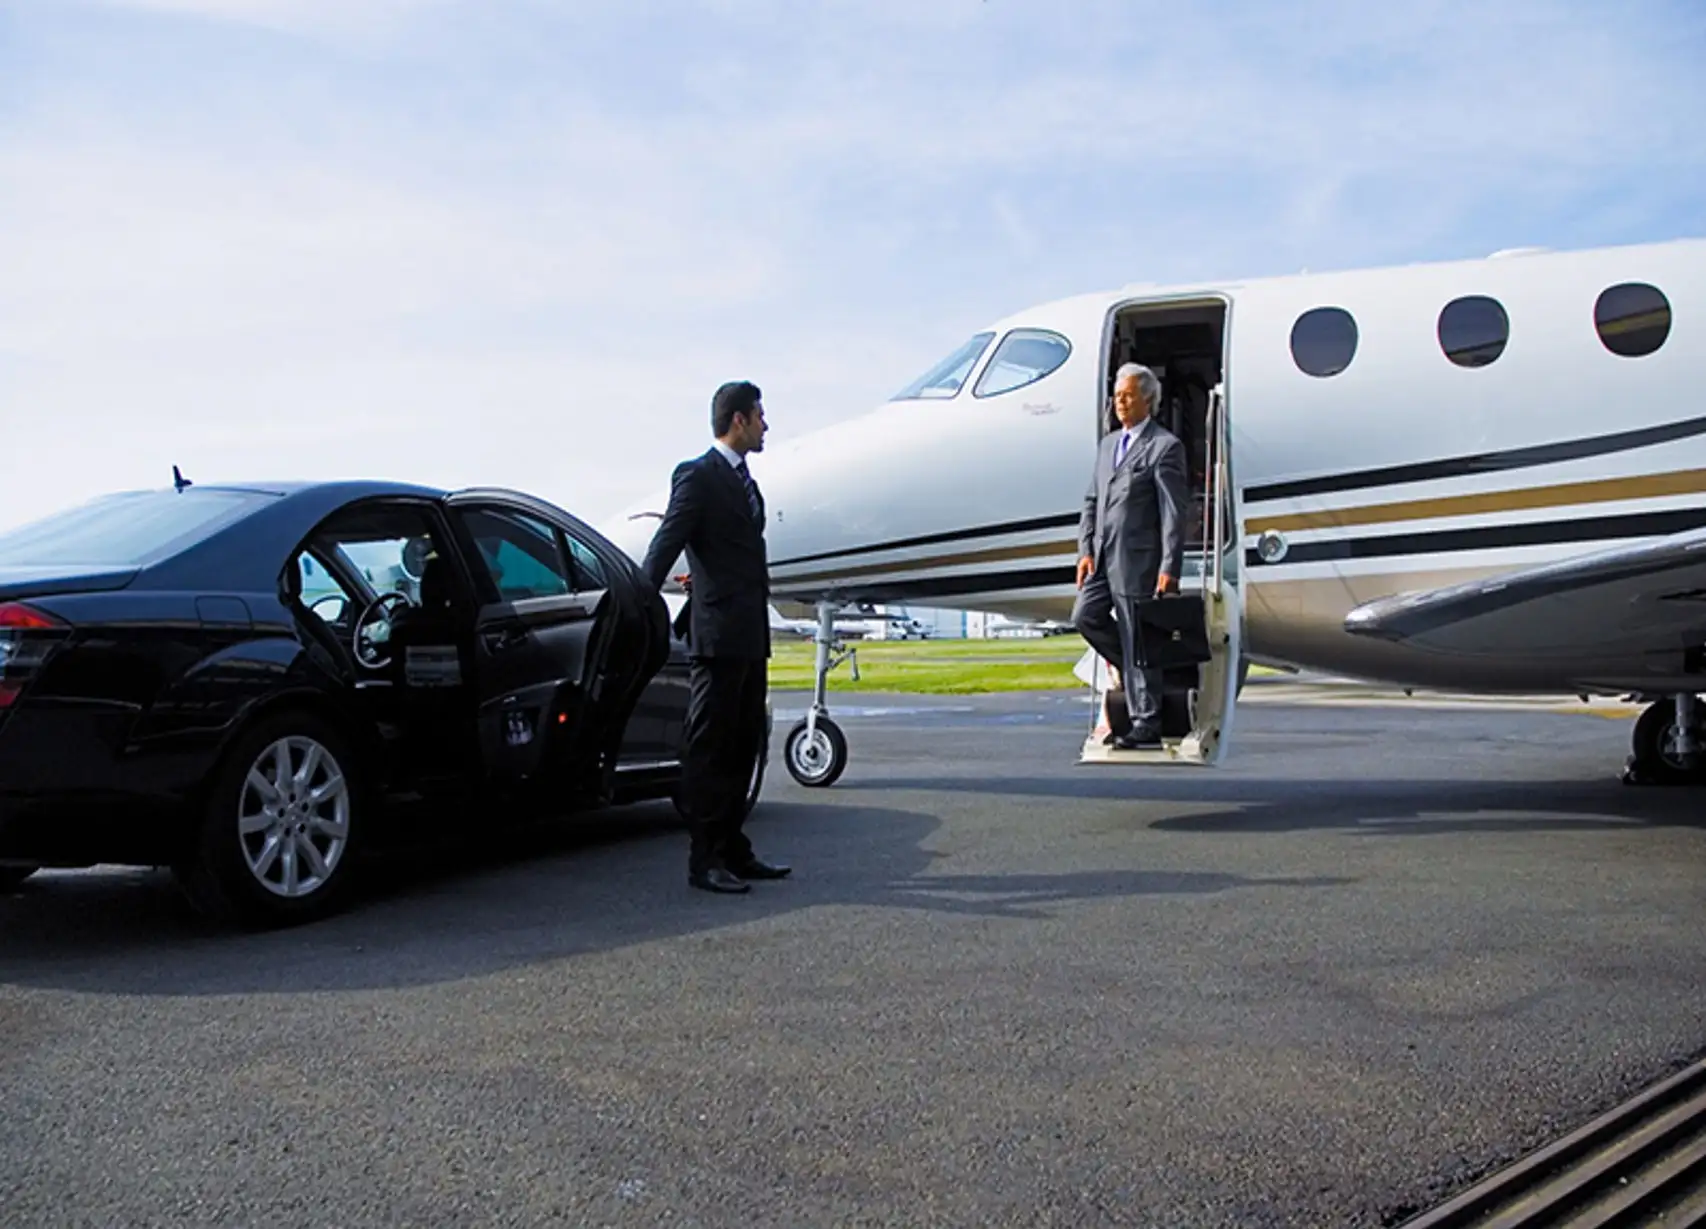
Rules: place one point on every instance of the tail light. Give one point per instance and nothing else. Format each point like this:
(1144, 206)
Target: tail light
(27, 637)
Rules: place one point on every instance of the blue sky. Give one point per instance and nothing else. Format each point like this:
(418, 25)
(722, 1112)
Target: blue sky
(519, 242)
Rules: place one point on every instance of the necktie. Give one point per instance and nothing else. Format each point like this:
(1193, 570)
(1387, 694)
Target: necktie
(751, 489)
(1120, 451)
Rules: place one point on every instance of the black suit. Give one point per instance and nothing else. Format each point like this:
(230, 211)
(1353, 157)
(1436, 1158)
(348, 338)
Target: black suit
(717, 514)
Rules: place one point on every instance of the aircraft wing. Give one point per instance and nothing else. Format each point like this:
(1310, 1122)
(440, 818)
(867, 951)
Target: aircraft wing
(1634, 611)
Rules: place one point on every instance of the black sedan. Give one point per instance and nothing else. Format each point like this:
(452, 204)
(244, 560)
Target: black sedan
(249, 684)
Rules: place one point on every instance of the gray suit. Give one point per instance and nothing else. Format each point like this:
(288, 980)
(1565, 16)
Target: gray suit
(1133, 527)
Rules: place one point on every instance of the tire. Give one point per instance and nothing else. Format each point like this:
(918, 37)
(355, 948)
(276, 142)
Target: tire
(756, 785)
(816, 763)
(231, 876)
(1652, 744)
(12, 877)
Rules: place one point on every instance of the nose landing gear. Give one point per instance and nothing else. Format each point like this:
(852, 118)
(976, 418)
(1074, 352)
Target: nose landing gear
(816, 749)
(1667, 745)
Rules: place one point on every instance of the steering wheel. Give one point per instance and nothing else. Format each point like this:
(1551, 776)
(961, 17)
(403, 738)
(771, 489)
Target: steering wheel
(365, 643)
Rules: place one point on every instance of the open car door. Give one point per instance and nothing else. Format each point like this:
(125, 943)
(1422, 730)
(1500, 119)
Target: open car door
(561, 652)
(1198, 700)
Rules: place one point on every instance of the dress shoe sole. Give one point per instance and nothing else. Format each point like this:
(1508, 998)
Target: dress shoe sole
(721, 889)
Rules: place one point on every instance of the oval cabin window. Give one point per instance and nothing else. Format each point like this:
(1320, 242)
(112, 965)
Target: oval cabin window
(1323, 341)
(1632, 319)
(1473, 330)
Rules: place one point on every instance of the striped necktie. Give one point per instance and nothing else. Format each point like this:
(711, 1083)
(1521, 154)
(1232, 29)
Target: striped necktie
(751, 488)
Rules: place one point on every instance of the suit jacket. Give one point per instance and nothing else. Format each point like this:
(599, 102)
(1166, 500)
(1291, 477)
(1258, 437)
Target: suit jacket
(1133, 522)
(728, 609)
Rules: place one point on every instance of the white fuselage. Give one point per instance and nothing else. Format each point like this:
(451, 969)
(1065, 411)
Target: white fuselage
(1403, 471)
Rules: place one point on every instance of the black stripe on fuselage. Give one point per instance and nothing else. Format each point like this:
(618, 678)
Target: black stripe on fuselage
(1479, 463)
(1491, 537)
(878, 590)
(937, 539)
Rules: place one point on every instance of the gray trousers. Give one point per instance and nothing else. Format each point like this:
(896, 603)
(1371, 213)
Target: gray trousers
(1118, 643)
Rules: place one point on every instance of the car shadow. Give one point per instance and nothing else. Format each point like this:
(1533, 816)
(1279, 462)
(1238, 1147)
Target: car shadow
(555, 891)
(1417, 807)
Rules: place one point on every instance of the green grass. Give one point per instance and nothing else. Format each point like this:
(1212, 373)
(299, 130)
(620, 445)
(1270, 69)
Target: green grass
(937, 667)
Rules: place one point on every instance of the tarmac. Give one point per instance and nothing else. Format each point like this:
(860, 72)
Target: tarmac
(1390, 946)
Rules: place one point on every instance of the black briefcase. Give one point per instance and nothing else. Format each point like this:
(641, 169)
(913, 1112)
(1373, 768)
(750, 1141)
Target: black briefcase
(1172, 631)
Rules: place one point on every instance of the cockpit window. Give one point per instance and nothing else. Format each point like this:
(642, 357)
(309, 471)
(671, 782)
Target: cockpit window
(946, 377)
(1023, 357)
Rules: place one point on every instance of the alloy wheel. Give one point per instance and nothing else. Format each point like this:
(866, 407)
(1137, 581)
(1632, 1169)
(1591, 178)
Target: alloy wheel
(293, 816)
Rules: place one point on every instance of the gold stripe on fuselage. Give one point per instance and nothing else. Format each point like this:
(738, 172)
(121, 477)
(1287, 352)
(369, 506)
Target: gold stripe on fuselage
(1600, 490)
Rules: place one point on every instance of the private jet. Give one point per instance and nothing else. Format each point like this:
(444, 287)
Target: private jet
(1478, 476)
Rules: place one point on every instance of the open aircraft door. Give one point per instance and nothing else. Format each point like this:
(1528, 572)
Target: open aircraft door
(1198, 701)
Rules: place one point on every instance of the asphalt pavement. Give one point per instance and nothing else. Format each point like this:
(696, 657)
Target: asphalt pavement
(1384, 951)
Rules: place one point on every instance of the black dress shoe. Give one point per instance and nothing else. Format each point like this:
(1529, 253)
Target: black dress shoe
(1138, 739)
(752, 868)
(716, 879)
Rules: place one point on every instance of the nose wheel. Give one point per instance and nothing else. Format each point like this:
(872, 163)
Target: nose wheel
(816, 750)
(816, 756)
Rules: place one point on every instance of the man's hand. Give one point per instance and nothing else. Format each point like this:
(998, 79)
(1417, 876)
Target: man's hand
(1165, 584)
(1086, 565)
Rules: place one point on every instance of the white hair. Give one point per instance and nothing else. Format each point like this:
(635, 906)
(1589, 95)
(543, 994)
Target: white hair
(1147, 384)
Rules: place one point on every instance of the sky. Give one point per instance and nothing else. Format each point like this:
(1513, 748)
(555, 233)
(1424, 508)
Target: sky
(520, 242)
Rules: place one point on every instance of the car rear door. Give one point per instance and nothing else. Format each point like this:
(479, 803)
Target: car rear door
(548, 640)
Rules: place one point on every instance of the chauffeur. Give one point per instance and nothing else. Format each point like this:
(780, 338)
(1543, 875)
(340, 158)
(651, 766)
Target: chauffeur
(1131, 535)
(716, 512)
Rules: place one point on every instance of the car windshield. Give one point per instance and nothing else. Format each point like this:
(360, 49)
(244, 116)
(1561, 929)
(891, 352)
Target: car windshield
(117, 531)
(948, 376)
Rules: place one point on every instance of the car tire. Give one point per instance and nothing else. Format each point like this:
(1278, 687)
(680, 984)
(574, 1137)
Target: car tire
(251, 848)
(12, 877)
(756, 786)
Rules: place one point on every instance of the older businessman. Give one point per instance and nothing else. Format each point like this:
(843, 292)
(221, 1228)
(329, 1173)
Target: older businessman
(1130, 538)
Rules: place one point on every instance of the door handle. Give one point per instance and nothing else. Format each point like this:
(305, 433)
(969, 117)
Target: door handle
(503, 639)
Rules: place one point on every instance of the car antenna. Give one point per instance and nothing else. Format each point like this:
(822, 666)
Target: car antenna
(179, 482)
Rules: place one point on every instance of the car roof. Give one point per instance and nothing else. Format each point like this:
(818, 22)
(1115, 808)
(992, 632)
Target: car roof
(245, 555)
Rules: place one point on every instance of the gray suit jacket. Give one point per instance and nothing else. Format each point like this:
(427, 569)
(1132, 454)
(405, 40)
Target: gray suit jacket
(1133, 523)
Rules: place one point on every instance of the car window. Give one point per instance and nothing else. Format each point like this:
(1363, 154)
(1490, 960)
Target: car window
(323, 593)
(131, 530)
(589, 568)
(392, 548)
(519, 554)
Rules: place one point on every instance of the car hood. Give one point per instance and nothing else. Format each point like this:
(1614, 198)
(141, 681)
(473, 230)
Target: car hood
(22, 582)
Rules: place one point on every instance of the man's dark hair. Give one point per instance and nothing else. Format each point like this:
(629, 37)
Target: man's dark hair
(736, 397)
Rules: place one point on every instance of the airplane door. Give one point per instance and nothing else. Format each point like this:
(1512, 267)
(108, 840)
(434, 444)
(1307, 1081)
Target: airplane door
(542, 652)
(1200, 714)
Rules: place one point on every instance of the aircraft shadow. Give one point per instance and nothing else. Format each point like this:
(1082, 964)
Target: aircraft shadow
(1374, 808)
(564, 889)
